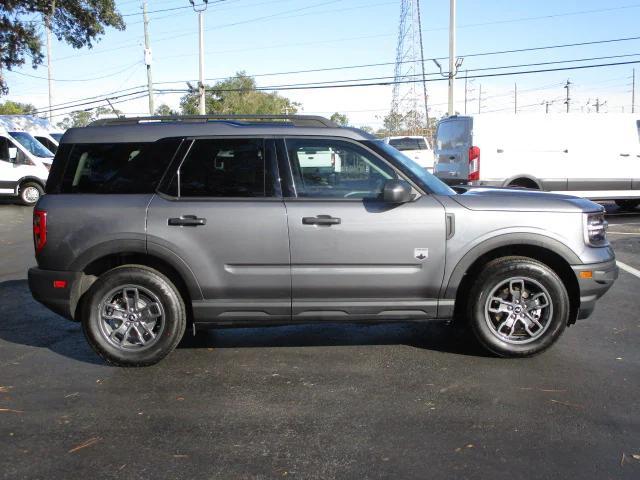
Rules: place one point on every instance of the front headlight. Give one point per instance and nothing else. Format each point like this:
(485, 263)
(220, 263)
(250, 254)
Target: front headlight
(595, 229)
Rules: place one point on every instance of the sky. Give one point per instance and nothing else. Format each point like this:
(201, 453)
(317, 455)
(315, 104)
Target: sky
(275, 36)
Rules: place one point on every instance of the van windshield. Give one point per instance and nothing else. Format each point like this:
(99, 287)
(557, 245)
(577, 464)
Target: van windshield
(417, 173)
(409, 143)
(31, 144)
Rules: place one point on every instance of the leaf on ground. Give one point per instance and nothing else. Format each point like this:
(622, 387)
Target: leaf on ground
(5, 389)
(86, 444)
(10, 410)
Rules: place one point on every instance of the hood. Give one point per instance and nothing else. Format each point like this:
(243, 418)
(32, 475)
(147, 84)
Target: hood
(522, 200)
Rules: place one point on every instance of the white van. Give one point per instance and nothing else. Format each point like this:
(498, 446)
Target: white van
(40, 128)
(596, 156)
(414, 147)
(22, 174)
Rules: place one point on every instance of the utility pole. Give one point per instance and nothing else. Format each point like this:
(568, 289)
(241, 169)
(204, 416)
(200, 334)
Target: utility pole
(567, 102)
(424, 80)
(201, 90)
(452, 51)
(546, 104)
(633, 91)
(466, 73)
(47, 27)
(147, 56)
(515, 98)
(479, 98)
(598, 105)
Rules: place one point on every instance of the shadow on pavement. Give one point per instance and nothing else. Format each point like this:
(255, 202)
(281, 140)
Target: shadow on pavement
(25, 322)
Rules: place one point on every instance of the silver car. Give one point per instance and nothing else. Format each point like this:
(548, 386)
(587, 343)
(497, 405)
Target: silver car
(150, 226)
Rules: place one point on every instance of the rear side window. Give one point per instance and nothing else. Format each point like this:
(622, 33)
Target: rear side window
(408, 143)
(225, 168)
(452, 134)
(117, 167)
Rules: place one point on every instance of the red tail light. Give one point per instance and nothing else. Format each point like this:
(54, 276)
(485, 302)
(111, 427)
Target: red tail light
(474, 163)
(39, 229)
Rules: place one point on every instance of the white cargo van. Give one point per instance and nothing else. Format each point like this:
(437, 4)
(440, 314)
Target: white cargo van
(414, 147)
(596, 156)
(22, 174)
(40, 128)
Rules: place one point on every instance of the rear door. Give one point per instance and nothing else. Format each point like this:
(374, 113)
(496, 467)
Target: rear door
(222, 214)
(352, 255)
(453, 139)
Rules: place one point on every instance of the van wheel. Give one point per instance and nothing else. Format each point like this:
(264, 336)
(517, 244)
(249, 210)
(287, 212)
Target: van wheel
(30, 193)
(627, 204)
(523, 183)
(133, 316)
(519, 307)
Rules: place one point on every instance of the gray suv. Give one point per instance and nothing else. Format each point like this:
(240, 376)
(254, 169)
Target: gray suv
(150, 225)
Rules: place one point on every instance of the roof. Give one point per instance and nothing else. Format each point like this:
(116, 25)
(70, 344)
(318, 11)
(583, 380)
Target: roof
(151, 129)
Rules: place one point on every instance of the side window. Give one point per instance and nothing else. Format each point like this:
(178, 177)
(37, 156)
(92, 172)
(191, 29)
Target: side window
(336, 169)
(117, 167)
(4, 149)
(452, 134)
(226, 168)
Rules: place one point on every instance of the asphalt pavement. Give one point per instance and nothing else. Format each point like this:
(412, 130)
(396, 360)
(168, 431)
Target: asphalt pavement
(321, 401)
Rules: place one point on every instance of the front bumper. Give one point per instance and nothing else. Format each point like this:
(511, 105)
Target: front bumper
(62, 301)
(591, 289)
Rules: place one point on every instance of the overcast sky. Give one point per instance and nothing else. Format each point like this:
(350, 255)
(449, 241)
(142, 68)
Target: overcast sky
(262, 36)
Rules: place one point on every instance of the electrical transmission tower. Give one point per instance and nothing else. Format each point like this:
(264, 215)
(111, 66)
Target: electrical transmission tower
(410, 100)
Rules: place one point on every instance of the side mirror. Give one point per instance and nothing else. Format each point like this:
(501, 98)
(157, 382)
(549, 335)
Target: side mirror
(13, 154)
(396, 191)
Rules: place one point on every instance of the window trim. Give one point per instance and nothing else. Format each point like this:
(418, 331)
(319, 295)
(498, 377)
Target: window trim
(174, 171)
(292, 186)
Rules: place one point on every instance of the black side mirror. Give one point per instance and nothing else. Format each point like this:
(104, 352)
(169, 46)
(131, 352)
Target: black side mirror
(396, 191)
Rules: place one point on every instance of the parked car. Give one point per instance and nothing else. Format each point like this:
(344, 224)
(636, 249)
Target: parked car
(150, 225)
(586, 155)
(22, 174)
(415, 147)
(40, 128)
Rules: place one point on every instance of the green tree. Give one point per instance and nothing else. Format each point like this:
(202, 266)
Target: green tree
(339, 119)
(367, 128)
(165, 110)
(16, 108)
(78, 23)
(237, 95)
(82, 118)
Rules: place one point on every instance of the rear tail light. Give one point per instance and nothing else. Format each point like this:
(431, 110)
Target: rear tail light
(474, 163)
(39, 229)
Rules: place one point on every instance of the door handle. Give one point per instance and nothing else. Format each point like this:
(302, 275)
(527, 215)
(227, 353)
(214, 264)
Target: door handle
(187, 221)
(624, 154)
(452, 157)
(326, 220)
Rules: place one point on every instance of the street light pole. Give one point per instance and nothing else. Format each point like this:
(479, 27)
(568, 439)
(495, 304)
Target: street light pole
(452, 52)
(201, 90)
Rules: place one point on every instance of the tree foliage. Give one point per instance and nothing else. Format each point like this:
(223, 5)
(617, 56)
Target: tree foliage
(237, 95)
(82, 118)
(165, 110)
(78, 23)
(340, 119)
(16, 108)
(409, 123)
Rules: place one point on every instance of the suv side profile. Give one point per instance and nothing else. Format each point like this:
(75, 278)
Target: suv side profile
(152, 224)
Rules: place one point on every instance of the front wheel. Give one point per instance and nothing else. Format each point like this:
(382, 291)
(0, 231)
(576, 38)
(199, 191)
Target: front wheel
(519, 307)
(30, 193)
(133, 316)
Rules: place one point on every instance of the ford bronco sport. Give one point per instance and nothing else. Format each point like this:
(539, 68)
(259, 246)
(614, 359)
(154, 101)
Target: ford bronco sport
(150, 225)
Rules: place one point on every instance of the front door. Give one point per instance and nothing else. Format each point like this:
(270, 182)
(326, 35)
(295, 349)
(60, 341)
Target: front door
(352, 255)
(224, 217)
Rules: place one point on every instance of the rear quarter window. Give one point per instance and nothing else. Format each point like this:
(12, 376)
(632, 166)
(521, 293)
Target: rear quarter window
(112, 168)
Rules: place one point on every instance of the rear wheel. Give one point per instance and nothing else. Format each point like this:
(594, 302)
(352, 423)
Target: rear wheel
(627, 204)
(133, 316)
(523, 183)
(519, 307)
(30, 193)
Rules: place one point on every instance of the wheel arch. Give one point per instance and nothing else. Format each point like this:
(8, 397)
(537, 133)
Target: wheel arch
(551, 252)
(28, 179)
(528, 181)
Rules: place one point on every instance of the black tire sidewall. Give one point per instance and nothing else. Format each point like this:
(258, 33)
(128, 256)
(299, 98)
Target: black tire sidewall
(174, 310)
(520, 267)
(23, 187)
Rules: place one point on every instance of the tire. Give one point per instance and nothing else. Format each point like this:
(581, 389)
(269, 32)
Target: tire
(520, 336)
(157, 320)
(30, 193)
(627, 204)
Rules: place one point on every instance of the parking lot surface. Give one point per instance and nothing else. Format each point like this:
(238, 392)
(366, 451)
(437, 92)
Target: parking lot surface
(321, 401)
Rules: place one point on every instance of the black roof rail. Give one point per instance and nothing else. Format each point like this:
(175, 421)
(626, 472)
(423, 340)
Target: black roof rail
(294, 120)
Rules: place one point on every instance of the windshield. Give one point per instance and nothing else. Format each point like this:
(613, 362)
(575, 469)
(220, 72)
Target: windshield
(31, 144)
(415, 171)
(56, 136)
(409, 143)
